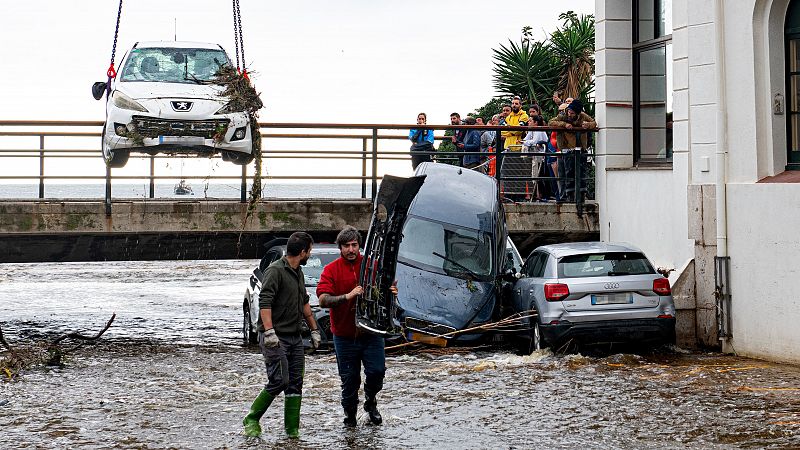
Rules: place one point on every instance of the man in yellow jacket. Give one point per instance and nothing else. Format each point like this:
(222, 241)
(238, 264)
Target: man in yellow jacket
(517, 117)
(513, 165)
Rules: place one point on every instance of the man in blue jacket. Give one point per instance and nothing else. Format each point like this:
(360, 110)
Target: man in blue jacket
(472, 143)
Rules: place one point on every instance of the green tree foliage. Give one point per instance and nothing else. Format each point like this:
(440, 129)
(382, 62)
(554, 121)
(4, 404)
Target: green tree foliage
(445, 148)
(534, 70)
(528, 69)
(492, 107)
(573, 46)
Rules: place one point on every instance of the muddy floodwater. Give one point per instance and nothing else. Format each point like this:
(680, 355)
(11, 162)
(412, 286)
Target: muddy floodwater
(172, 373)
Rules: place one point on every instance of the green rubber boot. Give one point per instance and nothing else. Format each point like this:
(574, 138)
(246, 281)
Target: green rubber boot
(260, 404)
(291, 415)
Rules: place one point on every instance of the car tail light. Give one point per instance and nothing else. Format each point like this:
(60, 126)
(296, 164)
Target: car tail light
(666, 316)
(661, 286)
(555, 292)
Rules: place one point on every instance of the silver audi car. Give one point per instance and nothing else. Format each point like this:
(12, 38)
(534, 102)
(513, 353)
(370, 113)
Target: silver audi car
(593, 293)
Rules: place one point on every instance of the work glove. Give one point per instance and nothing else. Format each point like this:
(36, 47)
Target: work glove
(316, 339)
(271, 339)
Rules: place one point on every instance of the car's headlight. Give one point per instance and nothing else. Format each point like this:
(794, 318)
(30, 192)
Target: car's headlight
(121, 100)
(228, 109)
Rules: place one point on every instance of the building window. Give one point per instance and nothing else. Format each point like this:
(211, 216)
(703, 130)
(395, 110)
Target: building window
(652, 80)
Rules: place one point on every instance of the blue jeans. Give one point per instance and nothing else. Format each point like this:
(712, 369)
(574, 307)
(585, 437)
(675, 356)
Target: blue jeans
(350, 354)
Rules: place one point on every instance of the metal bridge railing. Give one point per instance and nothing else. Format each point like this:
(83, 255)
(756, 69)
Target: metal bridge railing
(369, 143)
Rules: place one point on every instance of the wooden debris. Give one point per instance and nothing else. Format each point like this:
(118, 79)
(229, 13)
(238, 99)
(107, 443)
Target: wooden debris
(18, 359)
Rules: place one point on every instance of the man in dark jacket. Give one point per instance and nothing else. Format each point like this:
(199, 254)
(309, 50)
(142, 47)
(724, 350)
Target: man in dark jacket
(448, 145)
(472, 143)
(283, 303)
(337, 289)
(573, 145)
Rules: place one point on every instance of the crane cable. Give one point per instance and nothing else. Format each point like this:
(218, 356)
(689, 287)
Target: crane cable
(238, 38)
(111, 72)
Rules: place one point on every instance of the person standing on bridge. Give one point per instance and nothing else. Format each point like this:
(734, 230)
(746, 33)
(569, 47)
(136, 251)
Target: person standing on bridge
(337, 289)
(283, 303)
(421, 141)
(573, 143)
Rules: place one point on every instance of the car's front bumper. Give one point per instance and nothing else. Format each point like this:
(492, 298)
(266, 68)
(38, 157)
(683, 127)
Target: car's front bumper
(631, 331)
(177, 135)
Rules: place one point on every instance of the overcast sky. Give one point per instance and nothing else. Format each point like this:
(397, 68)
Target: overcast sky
(354, 61)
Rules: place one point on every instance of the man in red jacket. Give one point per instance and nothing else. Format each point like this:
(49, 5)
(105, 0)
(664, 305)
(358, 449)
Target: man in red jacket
(337, 289)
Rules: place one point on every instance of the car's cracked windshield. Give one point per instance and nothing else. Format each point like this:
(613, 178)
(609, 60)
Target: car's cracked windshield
(444, 248)
(173, 65)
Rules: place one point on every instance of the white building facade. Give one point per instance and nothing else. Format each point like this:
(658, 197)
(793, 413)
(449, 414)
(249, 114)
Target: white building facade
(698, 104)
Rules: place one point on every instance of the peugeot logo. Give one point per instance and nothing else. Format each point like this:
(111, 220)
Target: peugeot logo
(181, 106)
(611, 286)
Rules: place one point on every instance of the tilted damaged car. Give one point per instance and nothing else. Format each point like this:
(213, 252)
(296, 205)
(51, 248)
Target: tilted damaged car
(163, 100)
(449, 262)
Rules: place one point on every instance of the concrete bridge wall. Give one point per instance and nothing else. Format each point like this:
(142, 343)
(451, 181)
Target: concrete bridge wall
(199, 229)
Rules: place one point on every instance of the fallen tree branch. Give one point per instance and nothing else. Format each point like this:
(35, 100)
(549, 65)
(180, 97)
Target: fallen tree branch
(81, 337)
(512, 319)
(50, 354)
(55, 353)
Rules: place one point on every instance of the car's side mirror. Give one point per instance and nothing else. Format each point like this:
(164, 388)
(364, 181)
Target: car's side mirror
(98, 89)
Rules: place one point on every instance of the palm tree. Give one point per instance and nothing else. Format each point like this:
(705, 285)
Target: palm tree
(565, 62)
(573, 46)
(528, 69)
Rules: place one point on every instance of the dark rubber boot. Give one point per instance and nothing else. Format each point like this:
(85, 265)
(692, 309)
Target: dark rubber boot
(371, 407)
(350, 416)
(259, 407)
(291, 415)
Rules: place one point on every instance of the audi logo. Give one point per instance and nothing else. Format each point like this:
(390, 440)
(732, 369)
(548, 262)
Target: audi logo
(611, 286)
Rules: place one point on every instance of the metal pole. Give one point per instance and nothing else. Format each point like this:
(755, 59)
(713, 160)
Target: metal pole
(498, 162)
(152, 175)
(374, 162)
(364, 168)
(577, 154)
(41, 166)
(243, 187)
(108, 191)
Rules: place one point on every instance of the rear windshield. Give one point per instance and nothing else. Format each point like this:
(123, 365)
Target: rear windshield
(604, 265)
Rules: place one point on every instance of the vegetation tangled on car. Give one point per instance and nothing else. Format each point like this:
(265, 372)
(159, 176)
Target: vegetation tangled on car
(242, 96)
(132, 133)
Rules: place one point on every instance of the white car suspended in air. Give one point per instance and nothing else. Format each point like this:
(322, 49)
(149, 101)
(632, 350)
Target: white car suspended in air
(163, 100)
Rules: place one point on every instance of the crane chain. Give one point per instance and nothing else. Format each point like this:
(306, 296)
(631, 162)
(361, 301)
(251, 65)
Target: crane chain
(234, 3)
(111, 72)
(241, 34)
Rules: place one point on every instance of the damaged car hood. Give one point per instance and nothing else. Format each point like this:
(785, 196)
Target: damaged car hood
(144, 90)
(428, 298)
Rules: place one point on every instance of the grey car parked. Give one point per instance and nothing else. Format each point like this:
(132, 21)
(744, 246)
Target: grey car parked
(321, 255)
(594, 293)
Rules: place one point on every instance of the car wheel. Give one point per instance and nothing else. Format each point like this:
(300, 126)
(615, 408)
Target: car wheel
(115, 158)
(248, 335)
(238, 158)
